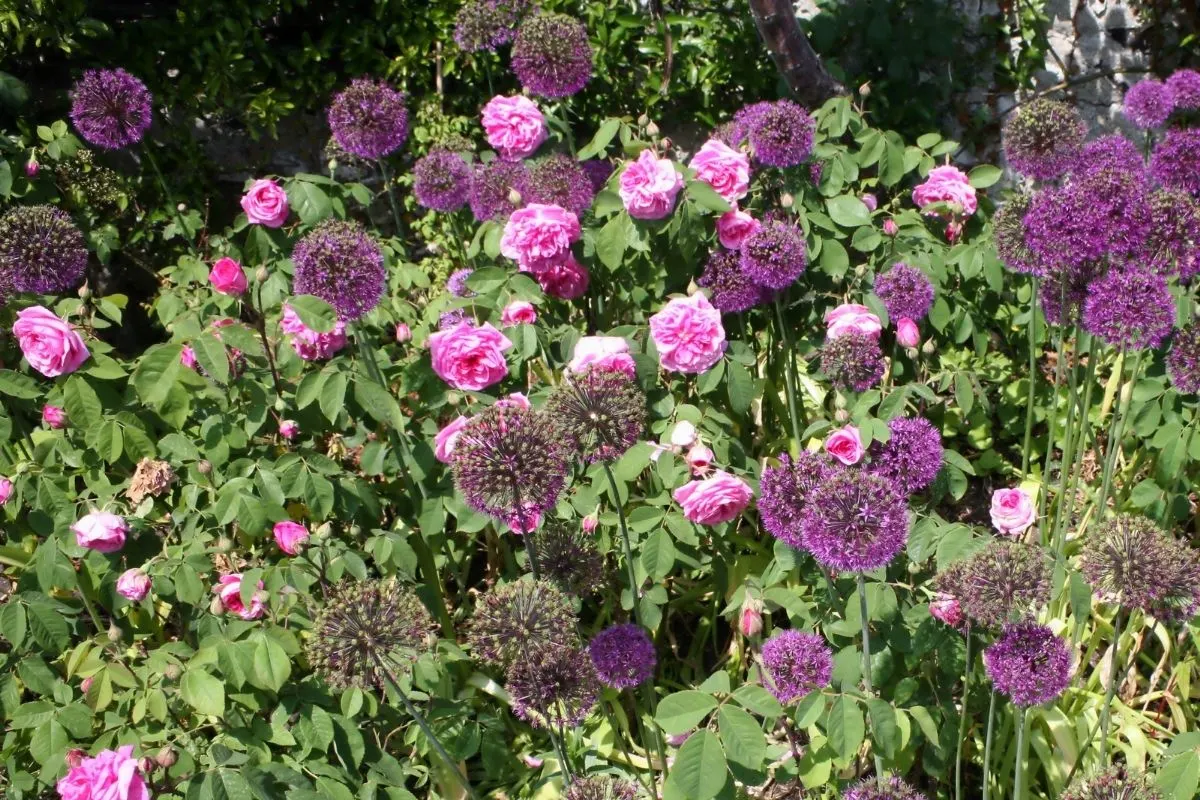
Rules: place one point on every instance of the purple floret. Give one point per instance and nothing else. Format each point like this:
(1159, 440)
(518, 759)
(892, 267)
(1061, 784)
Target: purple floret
(906, 292)
(854, 522)
(41, 250)
(852, 361)
(1130, 307)
(340, 263)
(1029, 664)
(780, 133)
(623, 656)
(1176, 160)
(1148, 103)
(494, 188)
(1042, 138)
(796, 663)
(732, 292)
(1185, 89)
(368, 119)
(110, 108)
(560, 180)
(784, 491)
(775, 255)
(1183, 362)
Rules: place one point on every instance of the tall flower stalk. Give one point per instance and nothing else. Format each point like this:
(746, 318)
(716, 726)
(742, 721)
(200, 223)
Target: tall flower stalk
(870, 692)
(962, 719)
(1030, 405)
(1117, 428)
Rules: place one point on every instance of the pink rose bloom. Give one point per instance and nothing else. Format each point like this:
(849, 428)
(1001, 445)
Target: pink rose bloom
(845, 445)
(49, 344)
(265, 204)
(604, 352)
(713, 500)
(443, 443)
(870, 202)
(514, 126)
(851, 318)
(403, 333)
(289, 536)
(227, 277)
(101, 531)
(890, 228)
(907, 333)
(699, 458)
(54, 416)
(187, 357)
(134, 584)
(518, 312)
(514, 400)
(590, 522)
(470, 357)
(734, 227)
(726, 170)
(750, 621)
(288, 429)
(527, 522)
(6, 490)
(566, 281)
(683, 434)
(945, 607)
(109, 775)
(948, 185)
(648, 186)
(539, 236)
(1012, 511)
(688, 334)
(229, 589)
(309, 344)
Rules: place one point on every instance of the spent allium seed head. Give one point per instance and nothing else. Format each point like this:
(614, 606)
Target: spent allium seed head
(493, 187)
(911, 458)
(905, 291)
(774, 255)
(442, 181)
(1176, 160)
(1174, 238)
(41, 250)
(1126, 559)
(894, 788)
(731, 289)
(456, 284)
(1115, 783)
(796, 663)
(1130, 307)
(365, 628)
(601, 787)
(1003, 581)
(784, 490)
(519, 616)
(339, 262)
(551, 56)
(598, 172)
(1185, 88)
(1043, 138)
(1029, 663)
(110, 108)
(487, 24)
(854, 521)
(623, 655)
(1183, 361)
(553, 686)
(852, 361)
(780, 133)
(1148, 103)
(368, 118)
(1008, 226)
(560, 180)
(568, 556)
(601, 411)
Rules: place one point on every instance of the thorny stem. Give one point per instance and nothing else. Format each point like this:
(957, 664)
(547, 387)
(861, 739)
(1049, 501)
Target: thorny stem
(866, 635)
(962, 720)
(261, 326)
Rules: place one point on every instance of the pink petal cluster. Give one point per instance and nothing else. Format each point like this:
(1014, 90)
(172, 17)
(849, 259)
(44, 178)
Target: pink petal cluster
(514, 400)
(852, 318)
(101, 531)
(403, 333)
(109, 775)
(726, 170)
(54, 416)
(467, 356)
(845, 445)
(750, 619)
(699, 459)
(134, 584)
(6, 490)
(1012, 511)
(648, 186)
(265, 203)
(514, 126)
(289, 429)
(949, 185)
(907, 333)
(309, 344)
(688, 334)
(443, 443)
(605, 352)
(49, 344)
(518, 312)
(734, 227)
(539, 236)
(227, 277)
(945, 607)
(566, 280)
(229, 590)
(713, 500)
(289, 536)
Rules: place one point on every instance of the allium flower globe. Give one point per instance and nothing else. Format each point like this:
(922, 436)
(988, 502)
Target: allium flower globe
(775, 255)
(1002, 582)
(1115, 783)
(906, 292)
(41, 250)
(1109, 152)
(796, 664)
(1174, 236)
(339, 262)
(853, 361)
(487, 24)
(1043, 138)
(368, 119)
(601, 411)
(441, 181)
(552, 687)
(731, 290)
(551, 56)
(1029, 664)
(568, 557)
(497, 189)
(780, 133)
(1184, 85)
(110, 108)
(1183, 360)
(1008, 229)
(1176, 160)
(1148, 103)
(893, 788)
(623, 655)
(785, 491)
(515, 617)
(1130, 308)
(911, 459)
(560, 180)
(1130, 561)
(854, 521)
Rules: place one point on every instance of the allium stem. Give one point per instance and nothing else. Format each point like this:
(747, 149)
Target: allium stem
(987, 745)
(1029, 398)
(166, 190)
(794, 409)
(1081, 440)
(1111, 691)
(391, 193)
(866, 635)
(620, 740)
(634, 586)
(1070, 440)
(1117, 431)
(962, 720)
(1019, 770)
(1044, 500)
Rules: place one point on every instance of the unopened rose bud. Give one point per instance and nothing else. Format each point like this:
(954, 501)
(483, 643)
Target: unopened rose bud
(643, 121)
(870, 202)
(84, 292)
(929, 347)
(172, 672)
(514, 197)
(677, 740)
(865, 89)
(216, 607)
(32, 168)
(666, 143)
(842, 416)
(289, 429)
(114, 633)
(652, 130)
(890, 228)
(750, 621)
(74, 757)
(355, 530)
(786, 200)
(85, 684)
(590, 522)
(205, 467)
(839, 400)
(907, 333)
(261, 274)
(683, 434)
(167, 757)
(224, 544)
(181, 207)
(146, 765)
(323, 530)
(403, 333)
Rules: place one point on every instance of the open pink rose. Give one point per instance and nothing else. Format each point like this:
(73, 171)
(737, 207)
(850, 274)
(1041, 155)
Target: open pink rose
(539, 236)
(604, 352)
(726, 170)
(713, 500)
(734, 227)
(54, 416)
(308, 343)
(648, 186)
(514, 126)
(109, 775)
(1012, 511)
(948, 185)
(518, 312)
(845, 445)
(265, 203)
(6, 490)
(227, 277)
(229, 590)
(49, 344)
(688, 334)
(289, 536)
(134, 584)
(851, 318)
(101, 531)
(471, 357)
(443, 443)
(699, 458)
(566, 280)
(945, 607)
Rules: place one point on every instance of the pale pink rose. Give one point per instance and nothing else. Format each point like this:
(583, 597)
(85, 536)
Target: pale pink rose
(683, 434)
(518, 312)
(949, 185)
(648, 186)
(713, 500)
(734, 227)
(403, 333)
(946, 608)
(6, 490)
(533, 762)
(566, 281)
(134, 584)
(539, 236)
(101, 531)
(603, 352)
(187, 356)
(443, 443)
(590, 523)
(907, 333)
(470, 357)
(308, 343)
(845, 445)
(54, 416)
(726, 170)
(514, 126)
(109, 775)
(699, 458)
(289, 536)
(514, 400)
(750, 621)
(688, 334)
(1012, 511)
(265, 203)
(229, 590)
(49, 344)
(870, 201)
(227, 277)
(289, 428)
(890, 228)
(851, 318)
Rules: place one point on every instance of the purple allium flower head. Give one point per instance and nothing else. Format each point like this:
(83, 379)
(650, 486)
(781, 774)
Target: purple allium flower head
(560, 180)
(1063, 293)
(1176, 160)
(551, 55)
(442, 181)
(1115, 783)
(784, 491)
(512, 617)
(456, 284)
(602, 412)
(780, 133)
(110, 108)
(854, 521)
(1111, 151)
(1174, 238)
(495, 186)
(1132, 562)
(775, 255)
(894, 788)
(1148, 103)
(911, 459)
(1008, 226)
(1002, 581)
(41, 250)
(487, 24)
(553, 687)
(1183, 362)
(598, 172)
(852, 361)
(905, 291)
(623, 656)
(601, 787)
(1184, 85)
(339, 262)
(731, 290)
(368, 119)
(796, 664)
(1029, 664)
(568, 556)
(1130, 308)
(448, 319)
(816, 170)
(1043, 138)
